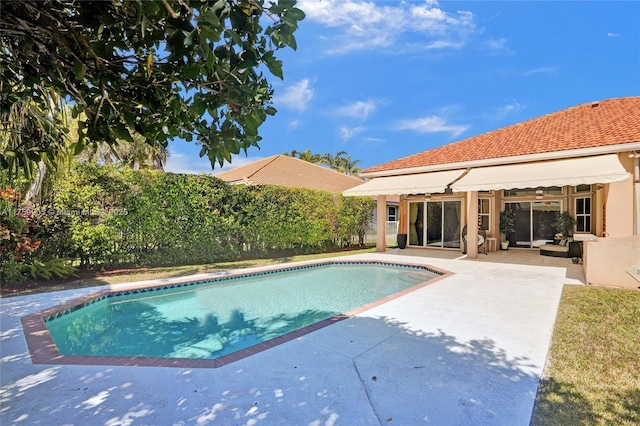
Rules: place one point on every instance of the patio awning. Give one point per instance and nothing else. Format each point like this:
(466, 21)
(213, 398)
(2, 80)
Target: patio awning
(425, 183)
(575, 171)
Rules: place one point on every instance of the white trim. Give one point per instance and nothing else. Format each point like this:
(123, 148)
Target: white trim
(582, 152)
(583, 215)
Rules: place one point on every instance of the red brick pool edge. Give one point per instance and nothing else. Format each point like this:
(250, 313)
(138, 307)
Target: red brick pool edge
(43, 349)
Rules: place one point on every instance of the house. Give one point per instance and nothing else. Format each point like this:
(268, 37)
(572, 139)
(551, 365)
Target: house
(584, 159)
(283, 170)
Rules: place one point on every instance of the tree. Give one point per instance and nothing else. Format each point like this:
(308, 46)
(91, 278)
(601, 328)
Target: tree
(164, 69)
(34, 142)
(306, 155)
(341, 162)
(135, 155)
(32, 134)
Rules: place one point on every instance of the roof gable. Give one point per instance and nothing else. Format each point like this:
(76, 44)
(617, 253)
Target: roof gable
(595, 124)
(283, 170)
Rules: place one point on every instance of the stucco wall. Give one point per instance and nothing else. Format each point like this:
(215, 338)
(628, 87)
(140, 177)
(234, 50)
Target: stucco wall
(619, 204)
(607, 260)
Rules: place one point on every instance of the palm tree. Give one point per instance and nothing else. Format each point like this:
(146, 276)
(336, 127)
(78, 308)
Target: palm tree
(342, 163)
(136, 155)
(141, 155)
(306, 156)
(33, 141)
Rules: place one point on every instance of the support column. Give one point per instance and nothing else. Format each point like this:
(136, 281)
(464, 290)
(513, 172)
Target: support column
(381, 223)
(472, 224)
(402, 218)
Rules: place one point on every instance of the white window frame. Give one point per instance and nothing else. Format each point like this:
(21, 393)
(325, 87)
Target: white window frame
(394, 215)
(584, 215)
(488, 214)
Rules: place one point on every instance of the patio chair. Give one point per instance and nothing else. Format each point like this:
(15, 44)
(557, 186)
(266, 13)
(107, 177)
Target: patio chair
(482, 237)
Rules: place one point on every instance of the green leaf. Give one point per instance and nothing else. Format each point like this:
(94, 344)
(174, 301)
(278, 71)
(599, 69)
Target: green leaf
(296, 14)
(151, 7)
(209, 16)
(211, 33)
(79, 70)
(277, 8)
(221, 52)
(248, 60)
(238, 18)
(275, 66)
(33, 156)
(188, 41)
(291, 42)
(191, 70)
(233, 36)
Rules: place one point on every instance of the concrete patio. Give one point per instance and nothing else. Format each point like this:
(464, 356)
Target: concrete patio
(468, 349)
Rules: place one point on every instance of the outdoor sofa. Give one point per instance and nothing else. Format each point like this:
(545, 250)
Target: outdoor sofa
(562, 248)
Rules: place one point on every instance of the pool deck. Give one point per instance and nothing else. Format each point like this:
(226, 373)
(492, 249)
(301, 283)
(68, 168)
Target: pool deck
(467, 349)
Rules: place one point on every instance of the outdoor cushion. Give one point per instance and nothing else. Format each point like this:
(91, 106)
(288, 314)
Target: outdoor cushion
(558, 248)
(555, 250)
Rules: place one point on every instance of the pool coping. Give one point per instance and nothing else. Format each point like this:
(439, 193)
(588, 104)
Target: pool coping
(43, 349)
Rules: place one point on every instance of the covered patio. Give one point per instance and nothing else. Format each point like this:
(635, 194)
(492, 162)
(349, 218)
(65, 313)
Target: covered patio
(524, 257)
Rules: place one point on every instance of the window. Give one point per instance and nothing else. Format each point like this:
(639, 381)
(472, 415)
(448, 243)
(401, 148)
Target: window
(484, 217)
(583, 214)
(582, 188)
(392, 213)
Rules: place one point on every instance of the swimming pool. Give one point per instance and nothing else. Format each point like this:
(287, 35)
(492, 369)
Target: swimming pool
(219, 317)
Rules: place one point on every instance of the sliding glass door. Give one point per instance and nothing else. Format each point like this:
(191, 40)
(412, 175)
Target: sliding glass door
(435, 224)
(534, 222)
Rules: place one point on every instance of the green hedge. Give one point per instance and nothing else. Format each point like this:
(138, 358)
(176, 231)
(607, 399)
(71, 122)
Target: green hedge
(106, 216)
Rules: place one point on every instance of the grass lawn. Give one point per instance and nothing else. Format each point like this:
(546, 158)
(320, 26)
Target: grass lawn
(95, 278)
(593, 372)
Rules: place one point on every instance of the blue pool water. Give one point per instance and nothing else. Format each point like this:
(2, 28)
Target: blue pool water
(212, 319)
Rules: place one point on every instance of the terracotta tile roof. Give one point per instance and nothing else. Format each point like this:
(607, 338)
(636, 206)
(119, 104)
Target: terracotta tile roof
(288, 171)
(608, 122)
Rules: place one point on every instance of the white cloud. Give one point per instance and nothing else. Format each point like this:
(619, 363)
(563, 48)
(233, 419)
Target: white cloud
(296, 97)
(496, 45)
(370, 139)
(192, 164)
(293, 124)
(347, 133)
(445, 44)
(540, 70)
(187, 164)
(362, 25)
(613, 35)
(237, 161)
(512, 107)
(432, 124)
(359, 110)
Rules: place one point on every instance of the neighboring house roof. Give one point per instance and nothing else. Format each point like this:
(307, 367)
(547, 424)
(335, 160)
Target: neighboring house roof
(283, 170)
(603, 123)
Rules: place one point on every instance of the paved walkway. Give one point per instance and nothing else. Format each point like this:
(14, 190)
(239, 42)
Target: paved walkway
(466, 350)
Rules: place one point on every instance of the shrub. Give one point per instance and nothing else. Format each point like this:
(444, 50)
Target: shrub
(21, 232)
(110, 216)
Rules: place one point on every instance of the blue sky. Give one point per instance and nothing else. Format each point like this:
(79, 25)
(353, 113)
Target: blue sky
(386, 79)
